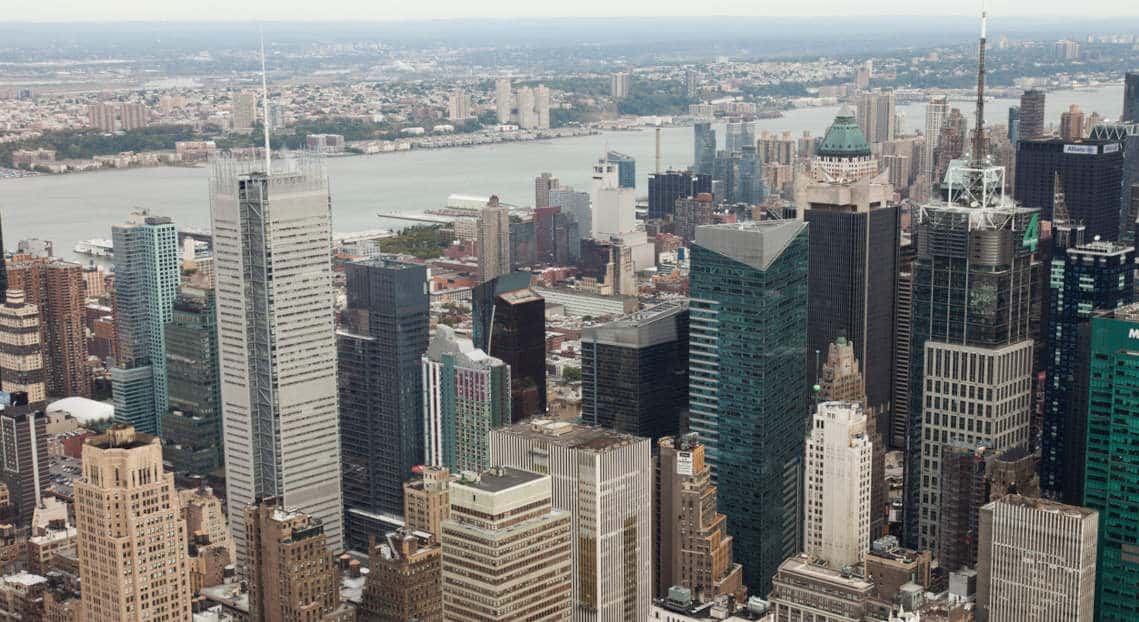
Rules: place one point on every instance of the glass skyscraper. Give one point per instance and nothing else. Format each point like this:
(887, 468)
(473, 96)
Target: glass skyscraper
(974, 290)
(384, 333)
(748, 383)
(1084, 279)
(1091, 172)
(191, 431)
(704, 148)
(147, 271)
(626, 168)
(1111, 483)
(634, 372)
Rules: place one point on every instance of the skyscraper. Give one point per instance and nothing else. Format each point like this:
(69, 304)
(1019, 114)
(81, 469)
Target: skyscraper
(750, 181)
(964, 489)
(507, 550)
(576, 205)
(466, 394)
(626, 168)
(619, 85)
(1032, 114)
(634, 372)
(704, 148)
(56, 288)
(837, 490)
(1112, 467)
(747, 381)
(543, 184)
(1090, 175)
(493, 240)
(1037, 562)
(1130, 97)
(692, 548)
(147, 272)
(738, 134)
(971, 348)
(503, 101)
(665, 188)
(614, 206)
(1013, 124)
(510, 325)
(192, 429)
(1085, 278)
(856, 233)
(459, 106)
(244, 112)
(613, 524)
(935, 112)
(557, 241)
(1072, 124)
(291, 574)
(877, 115)
(21, 351)
(23, 432)
(384, 332)
(131, 537)
(276, 340)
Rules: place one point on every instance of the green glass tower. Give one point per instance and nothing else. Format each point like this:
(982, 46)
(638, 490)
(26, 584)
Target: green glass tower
(192, 438)
(748, 382)
(1111, 479)
(147, 272)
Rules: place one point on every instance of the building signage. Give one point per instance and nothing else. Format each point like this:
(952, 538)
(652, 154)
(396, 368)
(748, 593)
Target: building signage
(684, 462)
(1112, 148)
(1080, 149)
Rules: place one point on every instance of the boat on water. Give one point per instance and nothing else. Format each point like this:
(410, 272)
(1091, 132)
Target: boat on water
(97, 247)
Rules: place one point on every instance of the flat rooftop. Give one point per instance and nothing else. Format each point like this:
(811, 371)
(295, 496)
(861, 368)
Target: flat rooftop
(498, 479)
(572, 435)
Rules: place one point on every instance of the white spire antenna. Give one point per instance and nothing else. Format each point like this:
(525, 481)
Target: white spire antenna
(265, 106)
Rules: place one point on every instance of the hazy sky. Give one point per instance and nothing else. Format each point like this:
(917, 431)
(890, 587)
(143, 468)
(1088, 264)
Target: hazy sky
(353, 10)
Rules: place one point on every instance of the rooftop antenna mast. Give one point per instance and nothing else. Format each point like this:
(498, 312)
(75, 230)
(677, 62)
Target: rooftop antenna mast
(979, 135)
(265, 105)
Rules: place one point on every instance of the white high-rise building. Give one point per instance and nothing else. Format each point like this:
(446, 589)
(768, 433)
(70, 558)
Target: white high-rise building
(542, 106)
(1036, 561)
(493, 240)
(276, 339)
(459, 105)
(527, 116)
(619, 85)
(935, 112)
(614, 207)
(837, 485)
(244, 112)
(877, 114)
(604, 479)
(502, 99)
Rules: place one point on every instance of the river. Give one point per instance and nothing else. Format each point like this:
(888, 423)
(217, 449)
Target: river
(69, 208)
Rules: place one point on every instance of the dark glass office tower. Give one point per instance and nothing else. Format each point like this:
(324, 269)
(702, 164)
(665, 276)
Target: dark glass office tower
(1085, 279)
(971, 363)
(853, 276)
(1131, 97)
(1090, 174)
(1127, 134)
(523, 247)
(191, 431)
(384, 333)
(556, 237)
(626, 168)
(1013, 124)
(510, 324)
(704, 148)
(665, 188)
(747, 381)
(751, 190)
(1031, 114)
(24, 470)
(634, 372)
(1111, 483)
(725, 176)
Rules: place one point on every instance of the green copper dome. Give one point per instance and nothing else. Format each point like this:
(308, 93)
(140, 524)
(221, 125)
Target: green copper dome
(844, 139)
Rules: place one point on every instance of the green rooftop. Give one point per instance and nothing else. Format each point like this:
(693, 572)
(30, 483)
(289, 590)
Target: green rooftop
(844, 139)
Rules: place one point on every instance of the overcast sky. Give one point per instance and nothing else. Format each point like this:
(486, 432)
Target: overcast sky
(356, 10)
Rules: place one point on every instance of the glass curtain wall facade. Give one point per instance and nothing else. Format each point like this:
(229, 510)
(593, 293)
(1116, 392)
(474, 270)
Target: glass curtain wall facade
(748, 382)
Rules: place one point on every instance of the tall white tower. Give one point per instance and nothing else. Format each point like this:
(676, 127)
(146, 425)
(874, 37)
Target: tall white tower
(837, 485)
(276, 339)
